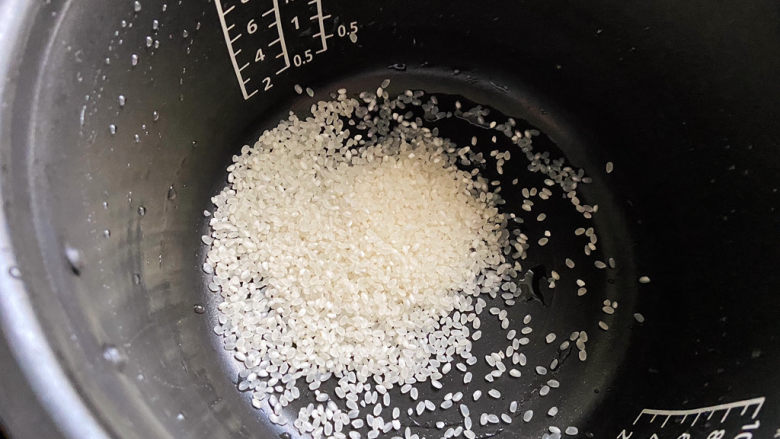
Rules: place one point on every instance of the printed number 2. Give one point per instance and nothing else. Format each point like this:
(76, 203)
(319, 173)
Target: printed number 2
(267, 83)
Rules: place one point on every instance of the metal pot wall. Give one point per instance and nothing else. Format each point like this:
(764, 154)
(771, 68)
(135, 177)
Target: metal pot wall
(119, 118)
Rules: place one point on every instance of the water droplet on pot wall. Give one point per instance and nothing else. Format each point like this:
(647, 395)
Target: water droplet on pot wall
(75, 259)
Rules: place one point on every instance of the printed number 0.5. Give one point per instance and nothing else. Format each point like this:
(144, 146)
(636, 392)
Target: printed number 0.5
(342, 31)
(307, 57)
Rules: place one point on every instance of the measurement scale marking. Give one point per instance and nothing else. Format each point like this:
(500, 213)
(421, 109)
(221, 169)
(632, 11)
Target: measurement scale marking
(232, 33)
(278, 22)
(759, 402)
(321, 21)
(229, 43)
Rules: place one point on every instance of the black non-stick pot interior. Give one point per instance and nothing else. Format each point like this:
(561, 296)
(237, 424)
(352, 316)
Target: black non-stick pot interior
(119, 119)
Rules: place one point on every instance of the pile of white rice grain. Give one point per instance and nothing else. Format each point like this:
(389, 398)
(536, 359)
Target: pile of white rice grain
(334, 257)
(358, 245)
